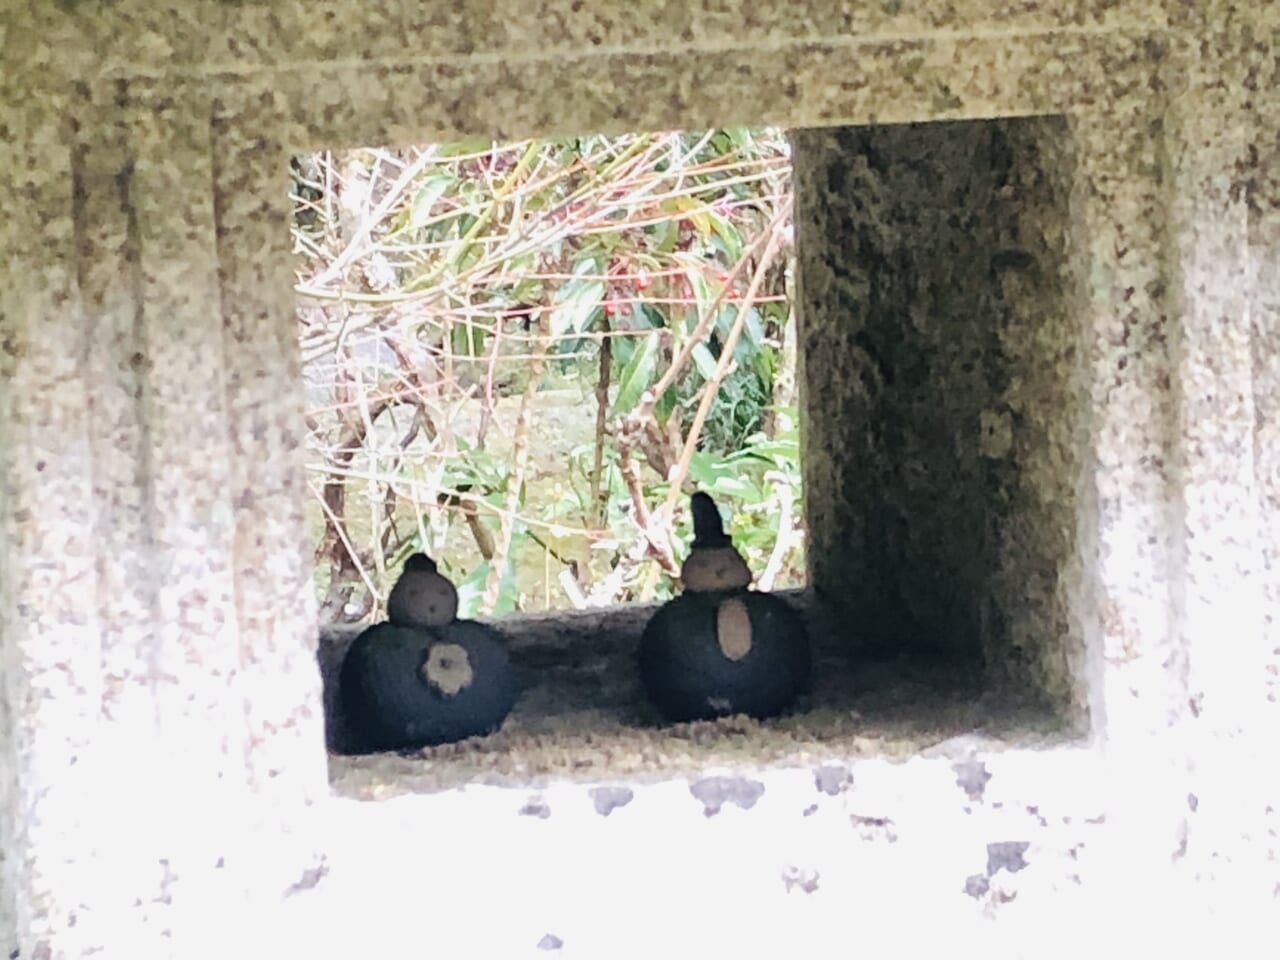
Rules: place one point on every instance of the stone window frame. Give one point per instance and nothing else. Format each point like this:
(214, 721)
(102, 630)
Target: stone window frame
(1158, 205)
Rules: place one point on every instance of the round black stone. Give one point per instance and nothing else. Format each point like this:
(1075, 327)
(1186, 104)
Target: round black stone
(688, 677)
(388, 703)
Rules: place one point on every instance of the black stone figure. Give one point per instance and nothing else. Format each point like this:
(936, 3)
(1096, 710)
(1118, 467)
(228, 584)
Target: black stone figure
(721, 648)
(425, 677)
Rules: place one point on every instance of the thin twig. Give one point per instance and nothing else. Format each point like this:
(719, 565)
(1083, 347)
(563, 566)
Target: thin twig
(594, 517)
(786, 535)
(486, 394)
(608, 186)
(773, 243)
(644, 409)
(571, 590)
(515, 487)
(656, 545)
(340, 529)
(359, 245)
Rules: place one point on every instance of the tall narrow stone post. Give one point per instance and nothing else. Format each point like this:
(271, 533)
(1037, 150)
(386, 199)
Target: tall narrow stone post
(161, 722)
(50, 629)
(1224, 258)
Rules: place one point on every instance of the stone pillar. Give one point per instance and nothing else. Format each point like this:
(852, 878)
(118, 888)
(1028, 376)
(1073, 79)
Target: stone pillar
(991, 345)
(50, 634)
(161, 720)
(1180, 380)
(1137, 671)
(1223, 198)
(1262, 123)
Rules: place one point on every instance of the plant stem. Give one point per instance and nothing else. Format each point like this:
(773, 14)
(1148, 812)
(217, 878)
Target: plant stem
(644, 409)
(597, 512)
(774, 238)
(786, 534)
(515, 480)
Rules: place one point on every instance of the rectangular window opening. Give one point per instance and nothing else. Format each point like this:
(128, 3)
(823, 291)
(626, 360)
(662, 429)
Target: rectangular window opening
(483, 326)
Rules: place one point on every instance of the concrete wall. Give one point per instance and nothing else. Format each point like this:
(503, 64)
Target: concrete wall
(160, 727)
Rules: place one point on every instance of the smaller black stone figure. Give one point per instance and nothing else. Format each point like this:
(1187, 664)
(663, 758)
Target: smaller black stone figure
(425, 677)
(721, 648)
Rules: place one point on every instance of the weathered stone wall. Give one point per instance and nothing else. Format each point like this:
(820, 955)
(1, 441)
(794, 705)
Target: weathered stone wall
(158, 625)
(1262, 153)
(160, 730)
(943, 391)
(1221, 191)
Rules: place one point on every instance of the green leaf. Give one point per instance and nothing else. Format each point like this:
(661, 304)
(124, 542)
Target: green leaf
(527, 289)
(701, 220)
(665, 406)
(666, 234)
(753, 328)
(704, 361)
(702, 292)
(576, 301)
(568, 346)
(432, 189)
(729, 487)
(622, 349)
(728, 234)
(508, 589)
(762, 361)
(471, 591)
(773, 450)
(650, 316)
(740, 137)
(705, 470)
(736, 486)
(459, 148)
(724, 319)
(637, 376)
(467, 339)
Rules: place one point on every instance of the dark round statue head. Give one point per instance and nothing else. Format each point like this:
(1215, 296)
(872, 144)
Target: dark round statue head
(713, 563)
(422, 597)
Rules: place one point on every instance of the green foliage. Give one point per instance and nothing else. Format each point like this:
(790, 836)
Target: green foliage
(442, 281)
(750, 481)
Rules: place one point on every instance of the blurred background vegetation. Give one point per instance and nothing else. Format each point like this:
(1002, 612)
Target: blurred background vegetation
(523, 357)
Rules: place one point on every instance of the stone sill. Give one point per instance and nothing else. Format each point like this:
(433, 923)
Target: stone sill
(801, 858)
(583, 720)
